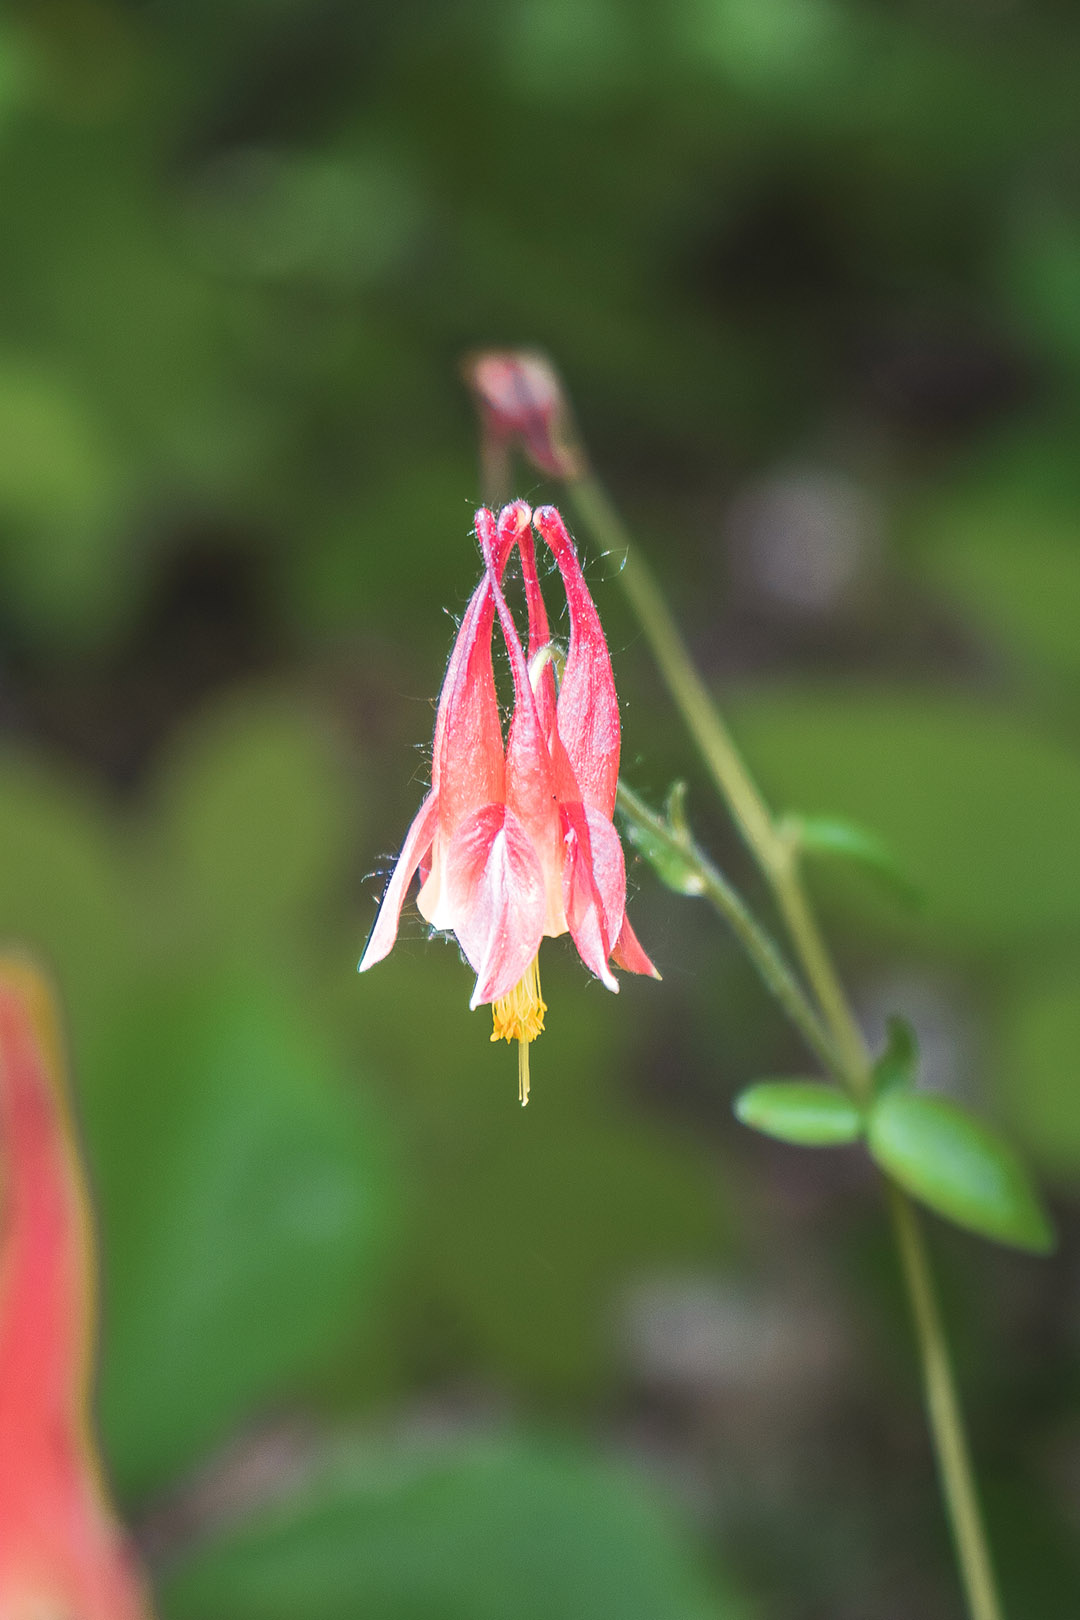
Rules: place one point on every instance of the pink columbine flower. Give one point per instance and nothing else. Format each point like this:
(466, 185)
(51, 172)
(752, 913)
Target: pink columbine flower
(62, 1551)
(515, 840)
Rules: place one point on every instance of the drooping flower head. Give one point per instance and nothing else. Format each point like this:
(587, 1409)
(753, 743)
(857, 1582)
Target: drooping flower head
(515, 840)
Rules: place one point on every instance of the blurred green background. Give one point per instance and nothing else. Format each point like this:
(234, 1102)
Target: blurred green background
(375, 1342)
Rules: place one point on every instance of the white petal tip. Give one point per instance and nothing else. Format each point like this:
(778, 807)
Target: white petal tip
(370, 958)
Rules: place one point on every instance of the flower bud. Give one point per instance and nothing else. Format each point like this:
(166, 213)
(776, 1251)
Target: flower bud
(522, 405)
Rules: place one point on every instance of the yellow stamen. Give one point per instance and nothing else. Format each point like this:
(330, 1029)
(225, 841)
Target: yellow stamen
(519, 1017)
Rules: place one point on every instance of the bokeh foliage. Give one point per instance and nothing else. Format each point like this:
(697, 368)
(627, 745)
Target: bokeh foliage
(781, 250)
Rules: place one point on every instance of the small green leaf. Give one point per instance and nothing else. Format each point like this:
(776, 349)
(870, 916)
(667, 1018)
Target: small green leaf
(677, 871)
(805, 1112)
(833, 835)
(675, 808)
(898, 1063)
(959, 1167)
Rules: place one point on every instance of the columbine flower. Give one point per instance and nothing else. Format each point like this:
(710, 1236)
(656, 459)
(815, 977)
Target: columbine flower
(515, 841)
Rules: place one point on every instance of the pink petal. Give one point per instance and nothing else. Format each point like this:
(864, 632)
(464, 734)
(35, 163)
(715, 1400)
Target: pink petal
(588, 709)
(61, 1549)
(484, 524)
(530, 783)
(467, 757)
(594, 888)
(414, 852)
(628, 953)
(539, 632)
(498, 537)
(495, 888)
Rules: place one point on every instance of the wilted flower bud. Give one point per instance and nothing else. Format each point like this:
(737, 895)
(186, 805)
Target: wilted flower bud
(521, 403)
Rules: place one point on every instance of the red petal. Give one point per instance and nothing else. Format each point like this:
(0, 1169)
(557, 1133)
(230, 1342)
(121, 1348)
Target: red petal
(530, 782)
(495, 887)
(594, 887)
(498, 539)
(467, 758)
(61, 1550)
(415, 850)
(467, 754)
(588, 710)
(628, 953)
(539, 632)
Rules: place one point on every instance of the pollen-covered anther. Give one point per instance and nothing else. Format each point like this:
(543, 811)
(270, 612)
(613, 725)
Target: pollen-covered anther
(519, 1017)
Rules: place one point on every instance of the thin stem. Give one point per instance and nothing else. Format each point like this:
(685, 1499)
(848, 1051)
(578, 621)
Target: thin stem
(688, 690)
(778, 861)
(820, 970)
(954, 1460)
(758, 944)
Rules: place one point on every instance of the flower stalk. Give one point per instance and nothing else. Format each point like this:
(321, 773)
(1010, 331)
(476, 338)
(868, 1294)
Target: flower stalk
(541, 423)
(758, 944)
(779, 863)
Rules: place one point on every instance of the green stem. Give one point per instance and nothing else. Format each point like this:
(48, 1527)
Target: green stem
(758, 944)
(818, 966)
(954, 1460)
(778, 861)
(591, 503)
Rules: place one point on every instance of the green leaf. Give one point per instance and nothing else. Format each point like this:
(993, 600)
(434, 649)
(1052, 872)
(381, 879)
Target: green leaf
(259, 819)
(63, 493)
(482, 1529)
(847, 840)
(1008, 557)
(15, 71)
(898, 1063)
(675, 808)
(245, 1206)
(959, 1167)
(671, 867)
(982, 804)
(805, 1112)
(1036, 1054)
(64, 892)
